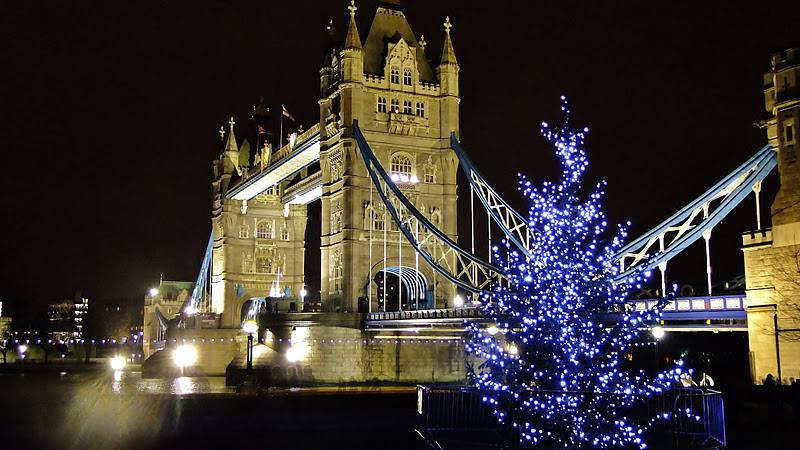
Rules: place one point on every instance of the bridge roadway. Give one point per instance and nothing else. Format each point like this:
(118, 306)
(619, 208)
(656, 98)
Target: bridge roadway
(706, 313)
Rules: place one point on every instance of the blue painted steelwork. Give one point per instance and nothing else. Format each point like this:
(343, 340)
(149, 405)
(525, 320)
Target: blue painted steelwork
(730, 191)
(470, 264)
(514, 226)
(193, 303)
(413, 280)
(256, 306)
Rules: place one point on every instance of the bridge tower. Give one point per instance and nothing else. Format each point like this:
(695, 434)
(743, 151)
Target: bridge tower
(772, 256)
(407, 111)
(256, 242)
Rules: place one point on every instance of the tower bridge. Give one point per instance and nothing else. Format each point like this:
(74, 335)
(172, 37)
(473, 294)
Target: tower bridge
(383, 160)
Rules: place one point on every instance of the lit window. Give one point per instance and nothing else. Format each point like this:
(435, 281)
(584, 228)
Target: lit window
(788, 133)
(420, 109)
(382, 104)
(430, 174)
(407, 107)
(378, 222)
(264, 230)
(401, 168)
(395, 105)
(244, 232)
(407, 77)
(263, 264)
(395, 77)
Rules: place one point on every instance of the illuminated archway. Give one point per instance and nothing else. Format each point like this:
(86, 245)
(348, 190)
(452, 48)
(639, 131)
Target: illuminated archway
(405, 287)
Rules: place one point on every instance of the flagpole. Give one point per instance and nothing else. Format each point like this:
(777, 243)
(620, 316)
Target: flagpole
(280, 138)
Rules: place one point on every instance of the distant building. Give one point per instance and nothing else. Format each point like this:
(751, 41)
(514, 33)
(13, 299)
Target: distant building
(79, 312)
(5, 323)
(162, 303)
(67, 319)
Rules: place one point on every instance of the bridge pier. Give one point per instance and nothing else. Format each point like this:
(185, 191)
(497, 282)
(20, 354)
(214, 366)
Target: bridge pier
(330, 348)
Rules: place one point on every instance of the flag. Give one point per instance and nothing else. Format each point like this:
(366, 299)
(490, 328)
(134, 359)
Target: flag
(286, 113)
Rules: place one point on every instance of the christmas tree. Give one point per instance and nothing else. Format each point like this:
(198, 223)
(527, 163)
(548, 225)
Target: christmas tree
(551, 357)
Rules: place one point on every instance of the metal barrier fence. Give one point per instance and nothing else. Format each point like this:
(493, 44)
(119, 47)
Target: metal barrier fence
(458, 313)
(447, 416)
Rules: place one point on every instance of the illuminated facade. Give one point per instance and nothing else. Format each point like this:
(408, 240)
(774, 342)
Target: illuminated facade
(772, 256)
(165, 301)
(407, 109)
(259, 244)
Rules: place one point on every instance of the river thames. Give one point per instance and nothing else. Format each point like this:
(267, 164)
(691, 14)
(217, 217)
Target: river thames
(120, 410)
(102, 409)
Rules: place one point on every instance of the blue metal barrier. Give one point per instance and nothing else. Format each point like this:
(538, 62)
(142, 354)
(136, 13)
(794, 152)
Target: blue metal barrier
(450, 416)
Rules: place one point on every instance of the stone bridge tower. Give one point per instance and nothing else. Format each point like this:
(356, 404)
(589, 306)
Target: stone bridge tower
(407, 111)
(256, 243)
(772, 256)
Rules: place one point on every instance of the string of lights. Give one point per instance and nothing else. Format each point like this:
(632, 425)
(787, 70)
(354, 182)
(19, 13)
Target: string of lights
(550, 361)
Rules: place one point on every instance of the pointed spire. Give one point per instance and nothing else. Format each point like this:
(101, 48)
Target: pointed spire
(353, 41)
(244, 154)
(448, 54)
(231, 145)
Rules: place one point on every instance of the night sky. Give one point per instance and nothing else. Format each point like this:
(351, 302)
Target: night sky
(110, 113)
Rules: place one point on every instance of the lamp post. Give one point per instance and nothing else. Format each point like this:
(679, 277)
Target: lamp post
(658, 333)
(251, 328)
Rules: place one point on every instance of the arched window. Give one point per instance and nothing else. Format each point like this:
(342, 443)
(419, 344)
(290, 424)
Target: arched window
(395, 105)
(407, 107)
(382, 104)
(263, 264)
(264, 230)
(244, 231)
(407, 77)
(395, 75)
(401, 166)
(420, 109)
(430, 173)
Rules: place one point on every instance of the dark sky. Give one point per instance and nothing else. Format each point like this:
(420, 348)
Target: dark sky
(110, 112)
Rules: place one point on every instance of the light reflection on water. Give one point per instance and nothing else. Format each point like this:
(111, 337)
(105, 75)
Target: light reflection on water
(124, 383)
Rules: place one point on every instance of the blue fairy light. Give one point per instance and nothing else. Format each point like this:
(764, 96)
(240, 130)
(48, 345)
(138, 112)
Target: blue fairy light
(551, 318)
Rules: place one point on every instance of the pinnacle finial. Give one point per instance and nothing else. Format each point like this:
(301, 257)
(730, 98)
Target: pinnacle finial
(422, 42)
(231, 122)
(329, 27)
(221, 133)
(352, 9)
(447, 25)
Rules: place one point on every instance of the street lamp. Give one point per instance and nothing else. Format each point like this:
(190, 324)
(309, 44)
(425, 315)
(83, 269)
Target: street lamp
(22, 349)
(184, 356)
(251, 328)
(458, 301)
(153, 292)
(118, 363)
(658, 332)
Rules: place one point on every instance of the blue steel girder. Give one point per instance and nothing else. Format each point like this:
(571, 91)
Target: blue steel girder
(193, 303)
(457, 265)
(686, 226)
(513, 224)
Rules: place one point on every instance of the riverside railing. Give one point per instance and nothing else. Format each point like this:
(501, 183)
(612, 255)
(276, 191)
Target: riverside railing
(450, 416)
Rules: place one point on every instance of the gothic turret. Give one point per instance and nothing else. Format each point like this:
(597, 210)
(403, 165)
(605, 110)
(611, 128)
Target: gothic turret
(230, 155)
(448, 66)
(352, 59)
